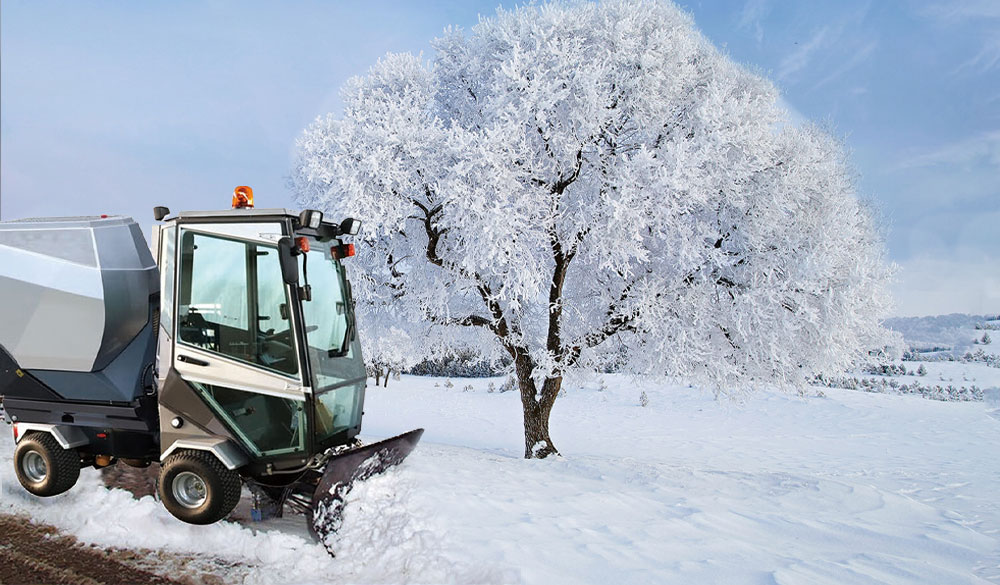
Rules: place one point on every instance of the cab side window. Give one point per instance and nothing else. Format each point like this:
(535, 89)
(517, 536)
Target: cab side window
(232, 301)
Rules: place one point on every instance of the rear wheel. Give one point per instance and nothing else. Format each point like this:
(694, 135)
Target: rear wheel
(43, 467)
(197, 488)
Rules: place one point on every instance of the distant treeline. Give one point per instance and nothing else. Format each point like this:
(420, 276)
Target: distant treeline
(971, 357)
(947, 393)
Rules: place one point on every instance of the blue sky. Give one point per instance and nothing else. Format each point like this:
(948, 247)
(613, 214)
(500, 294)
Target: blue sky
(114, 107)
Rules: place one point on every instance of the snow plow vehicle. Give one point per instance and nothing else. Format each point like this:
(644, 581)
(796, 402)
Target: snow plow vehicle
(232, 359)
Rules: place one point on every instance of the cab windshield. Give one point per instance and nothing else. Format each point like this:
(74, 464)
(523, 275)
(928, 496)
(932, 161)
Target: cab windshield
(338, 371)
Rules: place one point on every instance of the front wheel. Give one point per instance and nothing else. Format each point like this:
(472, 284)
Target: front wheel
(43, 467)
(197, 488)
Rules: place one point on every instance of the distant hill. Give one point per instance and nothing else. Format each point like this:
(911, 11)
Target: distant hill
(955, 334)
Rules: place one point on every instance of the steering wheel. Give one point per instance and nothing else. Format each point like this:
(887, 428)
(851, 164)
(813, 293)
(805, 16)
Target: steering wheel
(269, 336)
(275, 348)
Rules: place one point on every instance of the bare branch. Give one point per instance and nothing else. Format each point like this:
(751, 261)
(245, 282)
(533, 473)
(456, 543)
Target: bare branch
(498, 324)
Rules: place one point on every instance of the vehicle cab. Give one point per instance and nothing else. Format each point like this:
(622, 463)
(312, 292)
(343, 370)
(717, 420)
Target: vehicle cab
(258, 357)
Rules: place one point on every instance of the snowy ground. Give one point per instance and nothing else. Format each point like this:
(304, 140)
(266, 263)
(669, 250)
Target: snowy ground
(850, 488)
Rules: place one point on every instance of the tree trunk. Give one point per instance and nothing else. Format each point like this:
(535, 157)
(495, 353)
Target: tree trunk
(386, 383)
(537, 442)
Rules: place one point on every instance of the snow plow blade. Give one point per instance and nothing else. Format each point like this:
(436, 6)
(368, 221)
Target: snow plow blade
(343, 470)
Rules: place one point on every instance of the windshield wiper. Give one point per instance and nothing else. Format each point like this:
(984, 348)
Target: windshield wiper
(349, 334)
(346, 347)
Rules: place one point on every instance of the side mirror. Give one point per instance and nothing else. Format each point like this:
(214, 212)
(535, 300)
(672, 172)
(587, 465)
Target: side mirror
(160, 212)
(289, 264)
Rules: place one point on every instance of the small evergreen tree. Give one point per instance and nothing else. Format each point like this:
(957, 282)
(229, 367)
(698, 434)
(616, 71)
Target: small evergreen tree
(986, 339)
(921, 371)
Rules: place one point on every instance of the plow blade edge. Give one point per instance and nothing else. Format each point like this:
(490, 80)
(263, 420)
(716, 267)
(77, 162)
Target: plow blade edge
(343, 470)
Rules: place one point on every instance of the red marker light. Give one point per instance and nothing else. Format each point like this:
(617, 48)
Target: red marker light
(104, 216)
(15, 432)
(102, 435)
(342, 251)
(302, 244)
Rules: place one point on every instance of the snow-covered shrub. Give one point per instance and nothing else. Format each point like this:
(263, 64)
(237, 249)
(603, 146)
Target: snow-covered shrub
(981, 357)
(970, 357)
(885, 370)
(509, 384)
(461, 363)
(893, 386)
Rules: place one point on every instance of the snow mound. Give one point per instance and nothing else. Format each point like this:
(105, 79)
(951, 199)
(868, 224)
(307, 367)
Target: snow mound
(381, 541)
(386, 538)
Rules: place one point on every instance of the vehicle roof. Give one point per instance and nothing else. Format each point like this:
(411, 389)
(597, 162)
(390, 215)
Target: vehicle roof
(231, 213)
(83, 221)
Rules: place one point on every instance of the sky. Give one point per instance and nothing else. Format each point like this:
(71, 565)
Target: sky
(115, 107)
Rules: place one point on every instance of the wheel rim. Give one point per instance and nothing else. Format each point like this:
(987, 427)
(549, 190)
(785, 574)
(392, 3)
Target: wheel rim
(34, 468)
(189, 490)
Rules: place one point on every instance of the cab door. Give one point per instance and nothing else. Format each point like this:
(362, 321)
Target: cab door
(235, 339)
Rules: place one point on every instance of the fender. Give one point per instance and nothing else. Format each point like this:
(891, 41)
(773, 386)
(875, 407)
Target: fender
(225, 451)
(68, 437)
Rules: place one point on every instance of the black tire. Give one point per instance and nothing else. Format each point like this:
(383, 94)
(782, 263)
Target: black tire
(43, 467)
(197, 488)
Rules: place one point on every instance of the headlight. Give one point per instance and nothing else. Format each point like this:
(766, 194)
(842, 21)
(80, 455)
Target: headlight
(311, 218)
(350, 226)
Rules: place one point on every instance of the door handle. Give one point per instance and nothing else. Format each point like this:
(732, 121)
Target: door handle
(190, 360)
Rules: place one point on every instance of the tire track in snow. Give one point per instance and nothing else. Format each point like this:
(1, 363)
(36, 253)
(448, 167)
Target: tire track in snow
(36, 553)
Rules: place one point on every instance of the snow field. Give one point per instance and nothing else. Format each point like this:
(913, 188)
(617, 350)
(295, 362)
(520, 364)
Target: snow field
(955, 373)
(848, 488)
(851, 488)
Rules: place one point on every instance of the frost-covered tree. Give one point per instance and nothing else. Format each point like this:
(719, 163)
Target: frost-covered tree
(387, 349)
(587, 185)
(985, 340)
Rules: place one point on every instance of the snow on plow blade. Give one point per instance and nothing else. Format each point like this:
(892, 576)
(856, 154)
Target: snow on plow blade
(343, 470)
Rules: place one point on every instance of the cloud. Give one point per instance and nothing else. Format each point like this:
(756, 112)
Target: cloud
(988, 57)
(983, 15)
(957, 10)
(841, 36)
(859, 56)
(983, 149)
(801, 56)
(751, 15)
(931, 285)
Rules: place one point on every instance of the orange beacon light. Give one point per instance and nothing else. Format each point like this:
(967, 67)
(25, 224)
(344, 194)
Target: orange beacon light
(243, 197)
